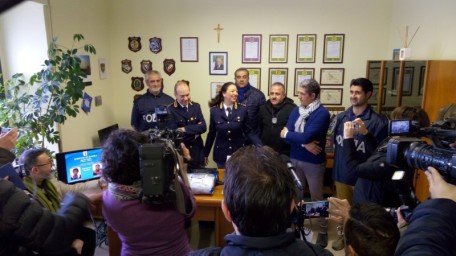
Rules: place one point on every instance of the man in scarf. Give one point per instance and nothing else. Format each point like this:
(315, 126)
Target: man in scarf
(249, 96)
(306, 133)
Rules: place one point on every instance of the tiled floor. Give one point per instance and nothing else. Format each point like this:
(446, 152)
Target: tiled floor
(201, 235)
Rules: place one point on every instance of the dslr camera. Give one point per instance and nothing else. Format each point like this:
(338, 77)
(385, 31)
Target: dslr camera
(407, 150)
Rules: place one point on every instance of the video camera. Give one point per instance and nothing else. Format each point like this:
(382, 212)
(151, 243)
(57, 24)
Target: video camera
(160, 169)
(412, 152)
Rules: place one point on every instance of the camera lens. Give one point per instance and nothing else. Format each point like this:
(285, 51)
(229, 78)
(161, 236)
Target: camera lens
(420, 156)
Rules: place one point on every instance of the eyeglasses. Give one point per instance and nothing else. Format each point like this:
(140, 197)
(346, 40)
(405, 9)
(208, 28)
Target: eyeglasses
(48, 162)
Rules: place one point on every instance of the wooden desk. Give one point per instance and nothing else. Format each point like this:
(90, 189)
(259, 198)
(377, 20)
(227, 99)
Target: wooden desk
(209, 209)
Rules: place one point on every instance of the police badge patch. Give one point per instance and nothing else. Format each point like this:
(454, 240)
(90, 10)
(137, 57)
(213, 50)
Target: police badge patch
(126, 66)
(137, 83)
(134, 44)
(155, 44)
(146, 65)
(169, 66)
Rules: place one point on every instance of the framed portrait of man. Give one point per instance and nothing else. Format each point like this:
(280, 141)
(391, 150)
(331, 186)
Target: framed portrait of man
(218, 63)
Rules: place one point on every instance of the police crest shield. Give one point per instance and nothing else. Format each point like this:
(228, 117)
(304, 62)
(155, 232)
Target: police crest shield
(126, 66)
(137, 83)
(146, 65)
(134, 44)
(155, 45)
(169, 66)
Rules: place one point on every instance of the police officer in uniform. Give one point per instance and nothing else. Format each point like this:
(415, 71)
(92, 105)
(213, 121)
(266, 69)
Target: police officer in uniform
(229, 125)
(186, 116)
(144, 115)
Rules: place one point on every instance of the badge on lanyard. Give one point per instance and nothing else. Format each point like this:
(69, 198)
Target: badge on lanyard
(274, 120)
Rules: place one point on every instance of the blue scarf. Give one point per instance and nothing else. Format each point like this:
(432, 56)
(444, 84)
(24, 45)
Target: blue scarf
(241, 92)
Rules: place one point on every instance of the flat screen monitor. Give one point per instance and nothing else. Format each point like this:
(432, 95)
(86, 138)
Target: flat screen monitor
(79, 165)
(103, 134)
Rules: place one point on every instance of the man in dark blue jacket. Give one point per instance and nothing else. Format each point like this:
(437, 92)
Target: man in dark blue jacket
(249, 96)
(186, 116)
(144, 115)
(258, 200)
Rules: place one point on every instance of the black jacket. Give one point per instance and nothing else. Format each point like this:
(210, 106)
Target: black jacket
(270, 132)
(253, 99)
(285, 244)
(374, 182)
(24, 222)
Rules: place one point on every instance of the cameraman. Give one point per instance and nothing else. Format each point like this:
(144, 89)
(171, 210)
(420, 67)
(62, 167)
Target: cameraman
(432, 226)
(374, 183)
(143, 229)
(258, 201)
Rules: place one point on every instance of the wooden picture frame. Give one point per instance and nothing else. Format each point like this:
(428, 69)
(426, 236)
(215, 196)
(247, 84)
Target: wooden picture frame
(333, 48)
(332, 76)
(302, 74)
(278, 75)
(306, 48)
(374, 75)
(251, 48)
(278, 48)
(189, 49)
(331, 96)
(407, 83)
(218, 63)
(255, 77)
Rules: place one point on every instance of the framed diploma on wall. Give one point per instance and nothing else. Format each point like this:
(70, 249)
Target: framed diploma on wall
(278, 75)
(251, 48)
(302, 74)
(278, 48)
(189, 49)
(255, 77)
(334, 48)
(331, 96)
(305, 48)
(332, 76)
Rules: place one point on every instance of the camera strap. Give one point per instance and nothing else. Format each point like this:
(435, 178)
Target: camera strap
(181, 180)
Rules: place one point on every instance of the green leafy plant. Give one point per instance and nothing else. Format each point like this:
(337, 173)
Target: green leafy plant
(48, 98)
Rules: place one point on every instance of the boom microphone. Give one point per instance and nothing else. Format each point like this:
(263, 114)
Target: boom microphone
(292, 170)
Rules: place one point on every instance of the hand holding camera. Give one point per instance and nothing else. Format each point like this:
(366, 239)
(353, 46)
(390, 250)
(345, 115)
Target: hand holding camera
(354, 127)
(438, 187)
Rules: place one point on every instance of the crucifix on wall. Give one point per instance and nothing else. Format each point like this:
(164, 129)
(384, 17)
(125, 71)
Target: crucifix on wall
(218, 29)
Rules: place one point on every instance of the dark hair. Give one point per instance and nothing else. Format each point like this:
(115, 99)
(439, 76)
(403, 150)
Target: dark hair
(121, 156)
(311, 86)
(371, 230)
(258, 191)
(411, 113)
(29, 157)
(241, 69)
(365, 83)
(219, 97)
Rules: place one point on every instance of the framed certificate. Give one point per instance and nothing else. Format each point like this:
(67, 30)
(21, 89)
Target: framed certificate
(215, 88)
(278, 75)
(407, 82)
(374, 75)
(334, 48)
(374, 98)
(305, 48)
(332, 76)
(331, 96)
(218, 63)
(255, 77)
(251, 48)
(302, 74)
(278, 48)
(189, 49)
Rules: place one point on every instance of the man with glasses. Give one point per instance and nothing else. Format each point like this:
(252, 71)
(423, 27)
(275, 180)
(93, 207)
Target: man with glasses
(143, 115)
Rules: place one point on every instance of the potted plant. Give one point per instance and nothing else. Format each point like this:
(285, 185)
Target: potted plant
(48, 98)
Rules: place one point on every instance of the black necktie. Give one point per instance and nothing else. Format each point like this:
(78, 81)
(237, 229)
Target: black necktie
(229, 111)
(185, 109)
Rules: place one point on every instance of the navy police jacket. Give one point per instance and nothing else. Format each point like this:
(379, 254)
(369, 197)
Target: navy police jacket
(143, 116)
(253, 99)
(193, 121)
(229, 134)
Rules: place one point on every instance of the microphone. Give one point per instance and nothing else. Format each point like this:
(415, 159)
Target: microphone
(292, 170)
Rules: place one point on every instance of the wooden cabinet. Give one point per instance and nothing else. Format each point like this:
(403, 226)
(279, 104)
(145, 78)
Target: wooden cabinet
(430, 84)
